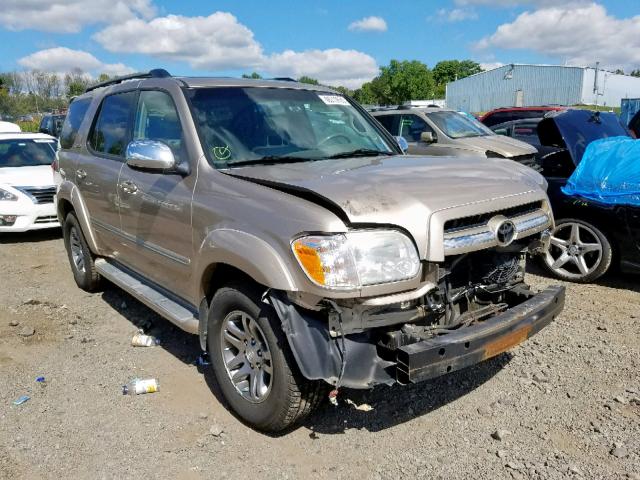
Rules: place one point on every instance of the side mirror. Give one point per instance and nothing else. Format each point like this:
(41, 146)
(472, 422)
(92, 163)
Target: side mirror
(44, 130)
(150, 155)
(427, 137)
(402, 143)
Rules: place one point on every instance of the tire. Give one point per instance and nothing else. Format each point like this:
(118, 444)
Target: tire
(281, 398)
(80, 256)
(582, 257)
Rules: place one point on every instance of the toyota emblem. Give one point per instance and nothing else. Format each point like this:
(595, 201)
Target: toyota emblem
(505, 233)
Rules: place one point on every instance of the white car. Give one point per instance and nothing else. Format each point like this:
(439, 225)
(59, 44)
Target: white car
(27, 190)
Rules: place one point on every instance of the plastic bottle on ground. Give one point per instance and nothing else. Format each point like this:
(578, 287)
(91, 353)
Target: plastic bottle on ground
(142, 340)
(138, 386)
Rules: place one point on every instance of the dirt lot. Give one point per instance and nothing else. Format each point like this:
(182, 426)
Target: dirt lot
(565, 404)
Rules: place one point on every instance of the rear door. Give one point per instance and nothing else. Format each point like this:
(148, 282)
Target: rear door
(98, 170)
(156, 206)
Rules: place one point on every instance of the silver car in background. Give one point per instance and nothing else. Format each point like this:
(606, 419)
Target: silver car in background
(442, 132)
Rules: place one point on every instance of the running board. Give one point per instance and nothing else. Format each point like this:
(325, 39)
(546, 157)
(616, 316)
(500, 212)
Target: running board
(151, 297)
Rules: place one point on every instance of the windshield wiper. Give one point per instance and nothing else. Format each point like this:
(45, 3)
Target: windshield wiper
(361, 152)
(270, 160)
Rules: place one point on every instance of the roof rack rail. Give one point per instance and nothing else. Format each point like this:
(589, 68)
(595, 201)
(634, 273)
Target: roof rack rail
(284, 79)
(155, 73)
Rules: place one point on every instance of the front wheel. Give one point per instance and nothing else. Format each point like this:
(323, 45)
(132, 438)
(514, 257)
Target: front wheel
(253, 364)
(578, 252)
(80, 256)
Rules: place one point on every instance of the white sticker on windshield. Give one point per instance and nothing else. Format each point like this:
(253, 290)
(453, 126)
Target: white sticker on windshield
(334, 100)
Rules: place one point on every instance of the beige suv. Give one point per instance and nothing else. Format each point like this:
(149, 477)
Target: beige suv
(284, 226)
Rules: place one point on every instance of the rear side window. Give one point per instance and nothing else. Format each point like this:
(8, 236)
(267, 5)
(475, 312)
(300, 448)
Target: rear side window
(111, 131)
(77, 111)
(389, 122)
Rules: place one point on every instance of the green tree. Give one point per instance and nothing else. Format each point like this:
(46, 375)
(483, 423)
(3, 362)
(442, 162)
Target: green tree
(635, 73)
(103, 77)
(76, 82)
(254, 75)
(450, 70)
(309, 80)
(400, 81)
(619, 71)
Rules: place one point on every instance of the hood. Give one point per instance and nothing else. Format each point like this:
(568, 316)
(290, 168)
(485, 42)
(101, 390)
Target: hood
(575, 129)
(506, 146)
(386, 190)
(38, 176)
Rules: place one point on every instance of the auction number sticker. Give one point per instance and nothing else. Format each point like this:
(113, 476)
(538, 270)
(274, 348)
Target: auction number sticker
(334, 100)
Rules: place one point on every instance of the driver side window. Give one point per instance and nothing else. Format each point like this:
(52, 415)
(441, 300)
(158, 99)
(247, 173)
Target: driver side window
(157, 119)
(412, 127)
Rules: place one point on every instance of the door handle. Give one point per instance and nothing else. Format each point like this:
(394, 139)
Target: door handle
(81, 174)
(129, 187)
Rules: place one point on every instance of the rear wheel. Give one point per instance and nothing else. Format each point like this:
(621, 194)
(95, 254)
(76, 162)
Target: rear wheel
(80, 256)
(253, 364)
(579, 251)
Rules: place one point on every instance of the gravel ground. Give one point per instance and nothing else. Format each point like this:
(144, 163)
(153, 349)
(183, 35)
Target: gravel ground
(566, 404)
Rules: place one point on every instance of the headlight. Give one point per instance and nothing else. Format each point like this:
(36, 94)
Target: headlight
(7, 196)
(357, 259)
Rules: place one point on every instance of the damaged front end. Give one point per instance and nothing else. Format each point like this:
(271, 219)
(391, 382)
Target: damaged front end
(471, 307)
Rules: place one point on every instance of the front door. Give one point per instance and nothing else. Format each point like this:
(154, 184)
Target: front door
(156, 206)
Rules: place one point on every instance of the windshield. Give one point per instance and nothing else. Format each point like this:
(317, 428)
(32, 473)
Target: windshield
(27, 152)
(458, 125)
(273, 125)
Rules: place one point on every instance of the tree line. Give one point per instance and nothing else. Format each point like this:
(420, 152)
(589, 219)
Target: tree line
(35, 91)
(401, 81)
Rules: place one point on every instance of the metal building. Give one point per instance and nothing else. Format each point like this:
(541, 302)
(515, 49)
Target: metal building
(520, 85)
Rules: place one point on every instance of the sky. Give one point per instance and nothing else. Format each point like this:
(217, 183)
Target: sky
(339, 42)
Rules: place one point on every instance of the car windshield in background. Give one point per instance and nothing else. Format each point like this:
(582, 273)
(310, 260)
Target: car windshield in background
(458, 125)
(280, 125)
(27, 152)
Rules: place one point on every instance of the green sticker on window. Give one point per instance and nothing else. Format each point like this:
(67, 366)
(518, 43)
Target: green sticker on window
(222, 153)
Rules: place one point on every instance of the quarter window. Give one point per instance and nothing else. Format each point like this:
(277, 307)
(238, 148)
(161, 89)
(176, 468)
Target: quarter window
(77, 111)
(110, 134)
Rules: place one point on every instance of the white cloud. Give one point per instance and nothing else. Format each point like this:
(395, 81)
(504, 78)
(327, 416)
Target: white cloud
(216, 41)
(334, 66)
(369, 24)
(62, 60)
(69, 16)
(456, 14)
(220, 42)
(576, 35)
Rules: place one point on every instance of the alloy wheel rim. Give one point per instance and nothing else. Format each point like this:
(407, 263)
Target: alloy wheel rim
(575, 251)
(77, 254)
(246, 356)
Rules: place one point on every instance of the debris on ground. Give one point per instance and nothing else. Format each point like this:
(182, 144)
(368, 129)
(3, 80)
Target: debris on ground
(27, 332)
(216, 430)
(142, 340)
(500, 434)
(363, 407)
(21, 400)
(139, 387)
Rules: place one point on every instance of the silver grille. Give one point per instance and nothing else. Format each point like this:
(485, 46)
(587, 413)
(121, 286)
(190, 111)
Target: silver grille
(39, 195)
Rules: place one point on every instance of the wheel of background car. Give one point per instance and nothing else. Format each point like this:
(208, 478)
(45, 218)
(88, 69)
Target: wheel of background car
(334, 137)
(579, 251)
(80, 256)
(252, 362)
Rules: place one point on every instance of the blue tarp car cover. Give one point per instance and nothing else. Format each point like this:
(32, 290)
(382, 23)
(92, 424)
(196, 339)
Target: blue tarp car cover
(609, 172)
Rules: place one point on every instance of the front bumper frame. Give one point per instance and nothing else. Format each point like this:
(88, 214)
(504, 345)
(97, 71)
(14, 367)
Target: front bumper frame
(319, 358)
(471, 345)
